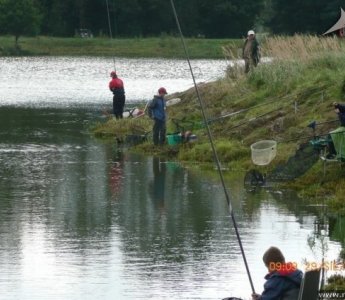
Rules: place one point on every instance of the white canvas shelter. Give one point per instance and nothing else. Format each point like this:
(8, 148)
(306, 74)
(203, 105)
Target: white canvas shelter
(340, 25)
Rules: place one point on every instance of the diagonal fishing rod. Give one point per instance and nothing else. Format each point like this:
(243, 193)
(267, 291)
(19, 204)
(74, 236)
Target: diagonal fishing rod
(213, 148)
(110, 32)
(240, 111)
(254, 118)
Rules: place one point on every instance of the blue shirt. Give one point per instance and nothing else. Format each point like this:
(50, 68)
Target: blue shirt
(158, 108)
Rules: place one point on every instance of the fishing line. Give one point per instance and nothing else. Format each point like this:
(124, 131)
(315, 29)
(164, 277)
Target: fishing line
(110, 31)
(213, 147)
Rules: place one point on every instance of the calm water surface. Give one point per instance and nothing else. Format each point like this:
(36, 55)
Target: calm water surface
(83, 219)
(50, 81)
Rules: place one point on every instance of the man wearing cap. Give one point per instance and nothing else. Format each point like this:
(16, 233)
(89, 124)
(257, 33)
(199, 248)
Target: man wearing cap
(117, 87)
(157, 105)
(251, 51)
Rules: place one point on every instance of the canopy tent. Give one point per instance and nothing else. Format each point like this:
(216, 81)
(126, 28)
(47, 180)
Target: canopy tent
(340, 25)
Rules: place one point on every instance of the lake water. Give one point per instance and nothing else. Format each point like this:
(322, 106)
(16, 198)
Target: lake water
(47, 81)
(83, 219)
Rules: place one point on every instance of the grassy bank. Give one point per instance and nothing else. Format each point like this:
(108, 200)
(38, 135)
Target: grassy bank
(278, 99)
(164, 46)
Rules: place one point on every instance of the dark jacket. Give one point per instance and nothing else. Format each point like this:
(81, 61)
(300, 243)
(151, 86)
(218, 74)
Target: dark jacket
(158, 108)
(255, 51)
(279, 282)
(341, 113)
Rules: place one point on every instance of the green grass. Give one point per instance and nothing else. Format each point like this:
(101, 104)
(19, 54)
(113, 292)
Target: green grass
(164, 47)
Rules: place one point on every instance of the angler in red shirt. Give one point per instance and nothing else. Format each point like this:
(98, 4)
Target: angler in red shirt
(116, 86)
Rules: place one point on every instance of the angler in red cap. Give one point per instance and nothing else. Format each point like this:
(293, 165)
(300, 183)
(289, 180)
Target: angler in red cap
(117, 87)
(157, 108)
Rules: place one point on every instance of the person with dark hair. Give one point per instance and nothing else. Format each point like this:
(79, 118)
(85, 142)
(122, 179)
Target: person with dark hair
(283, 279)
(250, 51)
(117, 87)
(158, 106)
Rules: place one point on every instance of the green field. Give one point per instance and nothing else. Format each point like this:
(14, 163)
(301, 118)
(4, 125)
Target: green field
(163, 47)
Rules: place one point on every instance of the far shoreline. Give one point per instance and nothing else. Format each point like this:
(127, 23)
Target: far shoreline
(154, 47)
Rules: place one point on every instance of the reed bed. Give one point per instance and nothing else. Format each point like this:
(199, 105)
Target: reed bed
(300, 47)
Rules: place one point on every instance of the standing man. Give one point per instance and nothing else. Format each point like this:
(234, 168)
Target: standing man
(157, 106)
(116, 86)
(251, 51)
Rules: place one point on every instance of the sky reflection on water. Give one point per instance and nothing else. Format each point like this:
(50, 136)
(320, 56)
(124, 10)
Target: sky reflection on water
(70, 81)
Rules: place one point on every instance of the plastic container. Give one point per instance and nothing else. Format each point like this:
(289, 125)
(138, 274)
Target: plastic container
(263, 152)
(174, 139)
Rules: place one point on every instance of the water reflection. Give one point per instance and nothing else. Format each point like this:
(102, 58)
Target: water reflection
(98, 222)
(157, 186)
(116, 174)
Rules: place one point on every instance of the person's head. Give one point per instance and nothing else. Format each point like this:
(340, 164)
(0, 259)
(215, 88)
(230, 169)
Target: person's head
(162, 92)
(251, 34)
(113, 74)
(272, 257)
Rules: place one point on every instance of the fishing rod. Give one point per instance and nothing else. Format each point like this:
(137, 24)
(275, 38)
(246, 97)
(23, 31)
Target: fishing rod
(213, 148)
(110, 31)
(304, 137)
(247, 109)
(240, 111)
(255, 118)
(313, 124)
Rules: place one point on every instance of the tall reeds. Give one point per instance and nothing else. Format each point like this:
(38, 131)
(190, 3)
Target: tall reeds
(300, 47)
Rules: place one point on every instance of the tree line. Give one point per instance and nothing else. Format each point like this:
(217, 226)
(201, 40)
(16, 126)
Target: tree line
(144, 18)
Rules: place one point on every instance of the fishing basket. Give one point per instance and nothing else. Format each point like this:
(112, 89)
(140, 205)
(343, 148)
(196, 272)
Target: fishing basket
(263, 152)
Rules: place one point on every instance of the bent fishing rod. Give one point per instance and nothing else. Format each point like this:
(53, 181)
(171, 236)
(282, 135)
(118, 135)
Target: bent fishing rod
(215, 155)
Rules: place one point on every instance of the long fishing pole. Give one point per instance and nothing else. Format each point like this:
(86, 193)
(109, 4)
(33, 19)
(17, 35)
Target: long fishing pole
(310, 137)
(254, 118)
(110, 31)
(240, 111)
(213, 147)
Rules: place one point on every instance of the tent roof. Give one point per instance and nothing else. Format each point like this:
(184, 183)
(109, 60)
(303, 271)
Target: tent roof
(340, 23)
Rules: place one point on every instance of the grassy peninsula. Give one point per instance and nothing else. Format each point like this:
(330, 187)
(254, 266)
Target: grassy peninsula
(164, 46)
(278, 100)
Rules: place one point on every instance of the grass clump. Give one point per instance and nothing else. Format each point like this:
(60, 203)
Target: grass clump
(227, 151)
(120, 128)
(335, 283)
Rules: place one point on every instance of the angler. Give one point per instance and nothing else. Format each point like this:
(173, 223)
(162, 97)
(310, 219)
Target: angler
(117, 87)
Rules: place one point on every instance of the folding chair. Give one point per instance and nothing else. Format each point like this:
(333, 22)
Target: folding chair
(310, 285)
